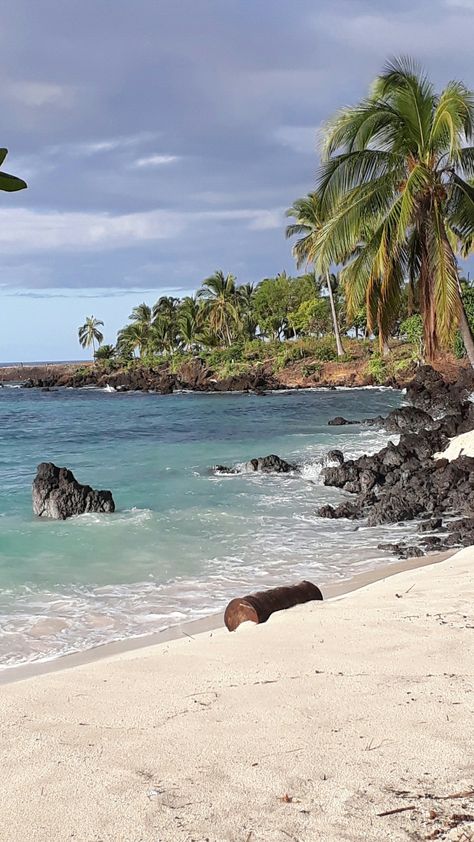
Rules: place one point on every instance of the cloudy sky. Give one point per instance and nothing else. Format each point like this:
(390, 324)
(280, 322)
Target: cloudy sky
(162, 140)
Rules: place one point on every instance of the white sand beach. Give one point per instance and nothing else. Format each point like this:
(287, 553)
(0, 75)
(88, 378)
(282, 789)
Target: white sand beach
(462, 445)
(306, 728)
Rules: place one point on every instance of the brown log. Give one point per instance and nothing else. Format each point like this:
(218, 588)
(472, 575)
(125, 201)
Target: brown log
(257, 607)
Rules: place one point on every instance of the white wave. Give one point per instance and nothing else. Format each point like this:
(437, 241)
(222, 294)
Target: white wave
(129, 516)
(311, 470)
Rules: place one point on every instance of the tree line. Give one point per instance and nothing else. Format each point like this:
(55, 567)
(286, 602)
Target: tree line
(379, 239)
(223, 313)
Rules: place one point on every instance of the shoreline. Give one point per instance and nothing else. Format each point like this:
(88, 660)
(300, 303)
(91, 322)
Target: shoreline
(202, 625)
(343, 719)
(195, 375)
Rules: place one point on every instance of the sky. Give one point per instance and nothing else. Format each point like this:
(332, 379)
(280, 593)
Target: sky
(164, 140)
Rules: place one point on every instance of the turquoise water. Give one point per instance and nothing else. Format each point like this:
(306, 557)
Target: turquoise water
(182, 541)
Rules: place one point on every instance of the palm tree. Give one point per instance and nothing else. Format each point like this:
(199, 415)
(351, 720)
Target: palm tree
(133, 337)
(163, 336)
(395, 195)
(142, 314)
(105, 353)
(166, 306)
(190, 322)
(246, 310)
(89, 333)
(9, 183)
(220, 295)
(309, 221)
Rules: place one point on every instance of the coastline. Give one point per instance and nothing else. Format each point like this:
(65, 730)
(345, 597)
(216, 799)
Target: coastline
(195, 375)
(345, 719)
(213, 622)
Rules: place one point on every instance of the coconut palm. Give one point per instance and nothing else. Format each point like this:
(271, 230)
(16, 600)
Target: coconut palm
(245, 305)
(105, 353)
(190, 322)
(163, 335)
(309, 220)
(219, 293)
(89, 333)
(142, 314)
(9, 183)
(166, 306)
(134, 337)
(396, 199)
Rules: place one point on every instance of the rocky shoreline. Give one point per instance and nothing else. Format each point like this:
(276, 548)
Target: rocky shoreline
(400, 483)
(403, 482)
(194, 375)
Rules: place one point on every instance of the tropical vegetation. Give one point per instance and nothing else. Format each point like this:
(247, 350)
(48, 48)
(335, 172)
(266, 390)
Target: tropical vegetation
(378, 245)
(398, 204)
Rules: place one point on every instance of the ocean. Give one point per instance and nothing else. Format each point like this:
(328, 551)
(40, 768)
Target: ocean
(183, 541)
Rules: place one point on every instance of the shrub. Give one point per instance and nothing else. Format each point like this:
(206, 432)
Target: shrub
(326, 350)
(377, 369)
(311, 369)
(412, 328)
(403, 366)
(291, 352)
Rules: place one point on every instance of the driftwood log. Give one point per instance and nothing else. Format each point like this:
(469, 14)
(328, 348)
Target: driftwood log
(257, 607)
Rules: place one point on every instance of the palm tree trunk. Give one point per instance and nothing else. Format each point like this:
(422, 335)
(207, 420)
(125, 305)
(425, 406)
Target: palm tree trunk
(385, 348)
(340, 349)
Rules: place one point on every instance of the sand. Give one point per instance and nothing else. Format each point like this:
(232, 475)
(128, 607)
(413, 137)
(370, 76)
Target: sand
(462, 445)
(305, 728)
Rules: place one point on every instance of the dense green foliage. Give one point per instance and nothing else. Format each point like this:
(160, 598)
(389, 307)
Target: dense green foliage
(224, 314)
(397, 201)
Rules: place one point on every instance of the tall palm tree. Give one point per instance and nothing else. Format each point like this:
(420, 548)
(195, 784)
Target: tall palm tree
(190, 322)
(89, 333)
(245, 306)
(219, 293)
(309, 221)
(396, 198)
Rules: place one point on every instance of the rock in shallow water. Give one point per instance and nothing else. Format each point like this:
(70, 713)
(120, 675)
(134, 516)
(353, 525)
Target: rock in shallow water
(335, 456)
(339, 421)
(57, 494)
(266, 464)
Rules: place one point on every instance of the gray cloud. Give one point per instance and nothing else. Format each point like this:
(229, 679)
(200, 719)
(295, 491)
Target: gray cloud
(173, 135)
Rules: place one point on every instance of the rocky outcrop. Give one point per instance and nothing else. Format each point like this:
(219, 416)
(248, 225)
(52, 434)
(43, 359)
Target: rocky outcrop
(194, 375)
(398, 421)
(335, 456)
(265, 464)
(270, 464)
(57, 494)
(406, 419)
(339, 421)
(431, 392)
(403, 482)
